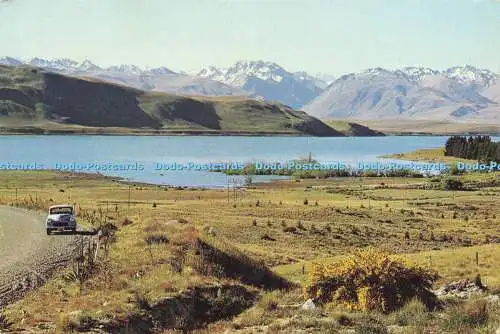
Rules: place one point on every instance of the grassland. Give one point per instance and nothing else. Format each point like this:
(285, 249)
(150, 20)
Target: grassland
(430, 155)
(282, 227)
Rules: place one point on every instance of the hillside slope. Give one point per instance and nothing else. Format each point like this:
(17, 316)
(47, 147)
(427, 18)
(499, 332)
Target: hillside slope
(30, 95)
(354, 129)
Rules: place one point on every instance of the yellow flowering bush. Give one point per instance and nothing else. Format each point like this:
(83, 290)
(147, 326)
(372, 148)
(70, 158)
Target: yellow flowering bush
(371, 279)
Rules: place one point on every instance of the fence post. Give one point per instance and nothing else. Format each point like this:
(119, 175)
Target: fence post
(477, 259)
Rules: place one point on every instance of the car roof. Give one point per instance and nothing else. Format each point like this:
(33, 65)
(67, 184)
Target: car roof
(60, 206)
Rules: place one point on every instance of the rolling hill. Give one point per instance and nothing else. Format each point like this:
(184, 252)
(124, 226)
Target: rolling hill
(34, 97)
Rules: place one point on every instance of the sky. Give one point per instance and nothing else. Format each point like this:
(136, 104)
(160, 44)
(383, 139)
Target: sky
(327, 36)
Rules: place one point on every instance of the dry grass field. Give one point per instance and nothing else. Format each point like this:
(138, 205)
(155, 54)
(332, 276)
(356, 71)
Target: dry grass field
(251, 243)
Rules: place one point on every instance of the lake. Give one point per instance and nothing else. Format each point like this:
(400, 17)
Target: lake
(55, 152)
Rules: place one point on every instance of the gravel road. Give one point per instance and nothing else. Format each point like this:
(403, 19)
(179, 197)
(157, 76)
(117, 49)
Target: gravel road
(27, 255)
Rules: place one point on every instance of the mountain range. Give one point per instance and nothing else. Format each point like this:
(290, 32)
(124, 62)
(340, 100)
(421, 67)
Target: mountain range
(460, 93)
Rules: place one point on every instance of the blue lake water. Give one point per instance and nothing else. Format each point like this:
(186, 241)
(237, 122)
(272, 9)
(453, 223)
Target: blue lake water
(148, 151)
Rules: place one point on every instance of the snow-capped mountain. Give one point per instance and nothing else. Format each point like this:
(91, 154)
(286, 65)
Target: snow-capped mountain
(87, 66)
(268, 80)
(9, 61)
(458, 93)
(159, 71)
(417, 73)
(152, 79)
(131, 69)
(470, 75)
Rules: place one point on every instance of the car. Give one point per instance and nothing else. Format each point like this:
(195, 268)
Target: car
(61, 218)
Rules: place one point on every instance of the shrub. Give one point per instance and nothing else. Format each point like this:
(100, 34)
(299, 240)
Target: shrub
(370, 327)
(370, 280)
(5, 324)
(64, 323)
(141, 300)
(452, 184)
(266, 236)
(453, 170)
(290, 229)
(471, 315)
(300, 225)
(126, 222)
(156, 239)
(414, 313)
(269, 301)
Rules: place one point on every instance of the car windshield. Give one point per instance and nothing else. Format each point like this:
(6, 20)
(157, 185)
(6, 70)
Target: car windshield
(66, 209)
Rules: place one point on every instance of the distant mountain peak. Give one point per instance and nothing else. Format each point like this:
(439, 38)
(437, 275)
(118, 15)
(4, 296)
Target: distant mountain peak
(125, 68)
(417, 73)
(87, 65)
(10, 61)
(269, 80)
(162, 70)
(468, 74)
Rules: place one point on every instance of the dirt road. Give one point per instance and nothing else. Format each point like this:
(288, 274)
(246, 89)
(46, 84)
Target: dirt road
(27, 255)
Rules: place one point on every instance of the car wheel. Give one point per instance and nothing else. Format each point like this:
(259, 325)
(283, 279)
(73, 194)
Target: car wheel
(49, 231)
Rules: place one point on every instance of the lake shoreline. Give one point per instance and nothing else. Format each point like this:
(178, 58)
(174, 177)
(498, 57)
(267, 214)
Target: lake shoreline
(183, 133)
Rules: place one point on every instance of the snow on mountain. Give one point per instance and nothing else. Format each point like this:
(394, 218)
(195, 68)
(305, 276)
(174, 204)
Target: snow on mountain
(154, 79)
(131, 69)
(268, 80)
(417, 73)
(471, 75)
(61, 64)
(158, 71)
(459, 93)
(212, 72)
(9, 61)
(87, 66)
